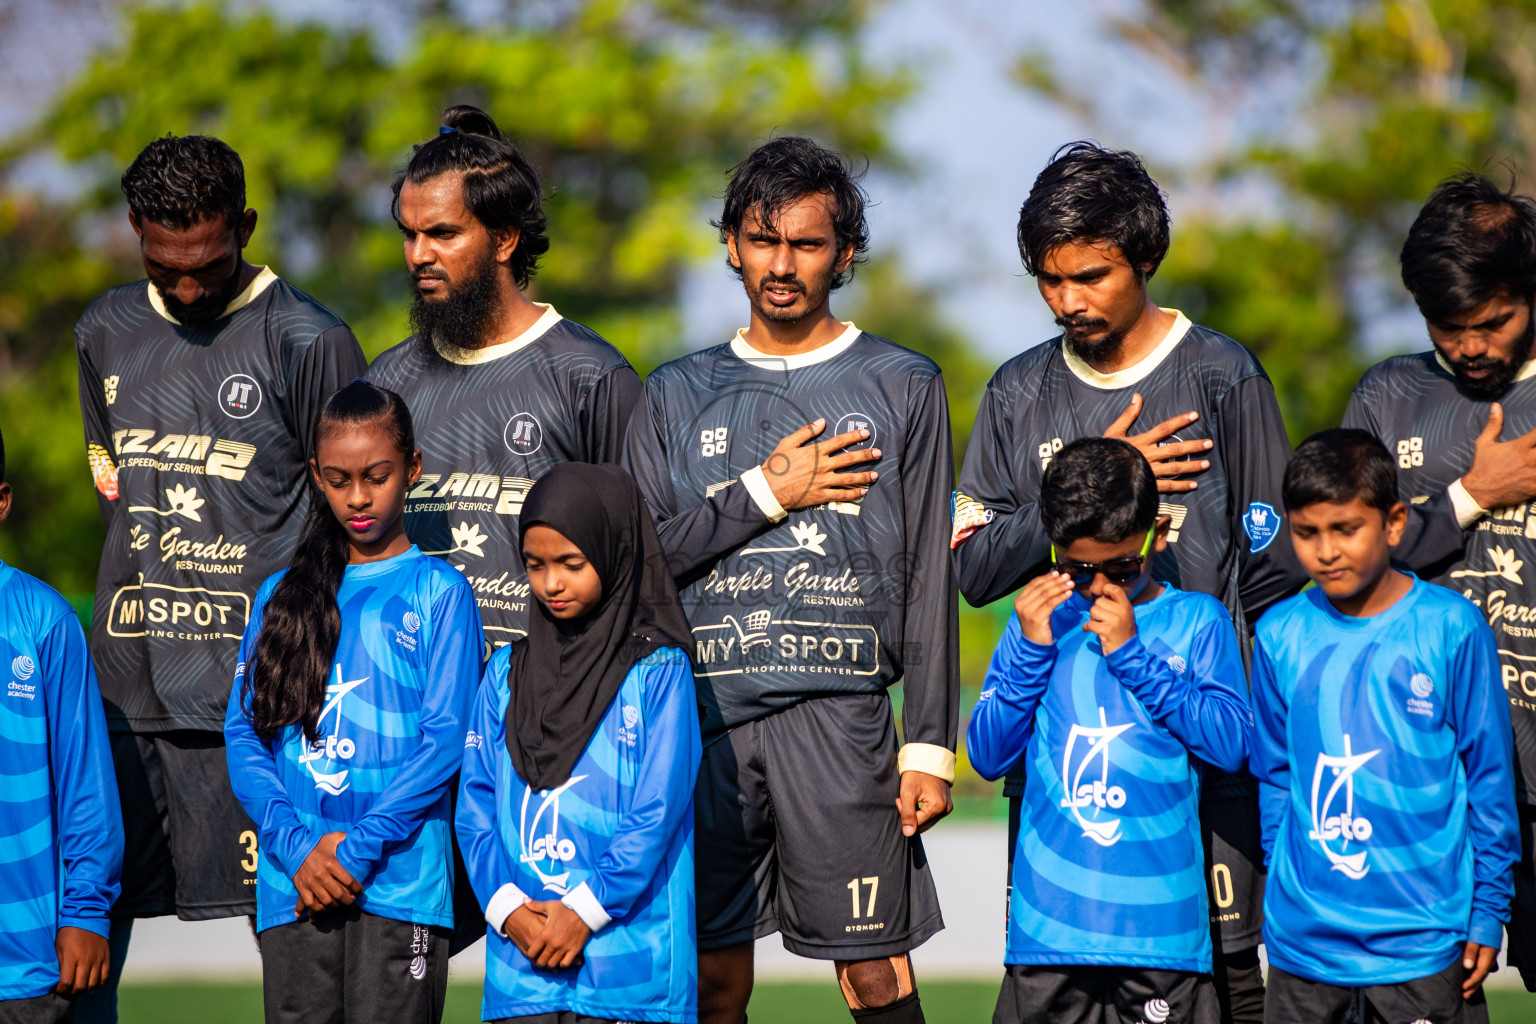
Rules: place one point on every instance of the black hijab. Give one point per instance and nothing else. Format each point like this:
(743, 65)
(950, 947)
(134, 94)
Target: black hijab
(564, 675)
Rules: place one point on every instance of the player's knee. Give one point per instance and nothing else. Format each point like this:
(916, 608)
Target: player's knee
(880, 991)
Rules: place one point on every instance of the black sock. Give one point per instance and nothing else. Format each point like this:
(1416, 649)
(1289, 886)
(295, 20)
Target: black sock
(906, 1010)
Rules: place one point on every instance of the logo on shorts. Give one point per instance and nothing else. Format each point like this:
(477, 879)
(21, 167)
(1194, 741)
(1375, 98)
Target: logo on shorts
(333, 747)
(1262, 525)
(239, 396)
(523, 434)
(1341, 829)
(543, 849)
(473, 739)
(1156, 1011)
(23, 667)
(419, 939)
(1096, 796)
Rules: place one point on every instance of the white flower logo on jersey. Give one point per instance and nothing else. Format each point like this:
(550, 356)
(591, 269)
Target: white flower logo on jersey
(543, 850)
(1156, 1011)
(184, 502)
(1098, 793)
(332, 747)
(23, 667)
(468, 539)
(1505, 565)
(1343, 827)
(808, 537)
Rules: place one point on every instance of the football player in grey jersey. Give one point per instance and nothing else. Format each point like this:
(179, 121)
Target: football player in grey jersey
(199, 388)
(500, 388)
(1092, 232)
(1461, 419)
(800, 477)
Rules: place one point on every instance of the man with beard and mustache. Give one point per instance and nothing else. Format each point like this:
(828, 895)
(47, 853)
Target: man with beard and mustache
(1093, 232)
(199, 388)
(1470, 264)
(500, 388)
(800, 477)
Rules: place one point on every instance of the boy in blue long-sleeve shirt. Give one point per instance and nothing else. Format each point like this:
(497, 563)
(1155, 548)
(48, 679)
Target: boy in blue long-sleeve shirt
(1382, 746)
(61, 830)
(1116, 690)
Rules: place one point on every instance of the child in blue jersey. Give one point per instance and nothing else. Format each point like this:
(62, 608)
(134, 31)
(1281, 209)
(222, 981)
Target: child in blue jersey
(1382, 746)
(576, 800)
(1114, 689)
(61, 828)
(345, 728)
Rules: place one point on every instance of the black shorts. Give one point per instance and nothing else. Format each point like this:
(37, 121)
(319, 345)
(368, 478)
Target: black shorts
(1094, 994)
(354, 967)
(1234, 870)
(1293, 1000)
(796, 831)
(1522, 912)
(190, 847)
(1231, 833)
(48, 1008)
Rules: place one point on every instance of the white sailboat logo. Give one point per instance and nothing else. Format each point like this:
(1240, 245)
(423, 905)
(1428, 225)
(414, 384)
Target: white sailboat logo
(1327, 827)
(544, 845)
(1096, 793)
(333, 747)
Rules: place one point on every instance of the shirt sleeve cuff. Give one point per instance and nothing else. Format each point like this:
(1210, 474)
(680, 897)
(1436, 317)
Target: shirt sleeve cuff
(581, 900)
(757, 486)
(928, 758)
(1485, 931)
(1468, 511)
(507, 899)
(95, 925)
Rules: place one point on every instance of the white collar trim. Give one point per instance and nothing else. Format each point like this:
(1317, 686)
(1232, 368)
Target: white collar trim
(260, 283)
(1136, 372)
(1527, 369)
(795, 361)
(502, 349)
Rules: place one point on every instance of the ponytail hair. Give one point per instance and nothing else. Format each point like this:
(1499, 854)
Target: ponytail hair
(286, 680)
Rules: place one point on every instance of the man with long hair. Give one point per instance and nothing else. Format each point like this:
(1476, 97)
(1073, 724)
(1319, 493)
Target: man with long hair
(199, 388)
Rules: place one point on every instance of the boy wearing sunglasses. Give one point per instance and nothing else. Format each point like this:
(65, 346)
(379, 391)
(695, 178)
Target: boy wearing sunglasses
(1117, 690)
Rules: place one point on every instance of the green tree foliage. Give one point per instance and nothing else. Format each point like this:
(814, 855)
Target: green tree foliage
(633, 111)
(1390, 98)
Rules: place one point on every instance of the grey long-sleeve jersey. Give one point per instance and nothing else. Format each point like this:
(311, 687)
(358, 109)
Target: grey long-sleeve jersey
(839, 598)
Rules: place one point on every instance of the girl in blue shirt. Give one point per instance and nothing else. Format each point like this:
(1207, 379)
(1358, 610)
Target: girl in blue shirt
(344, 731)
(576, 800)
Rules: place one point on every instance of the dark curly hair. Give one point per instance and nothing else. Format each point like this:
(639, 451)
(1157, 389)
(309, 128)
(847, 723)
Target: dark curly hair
(501, 188)
(1089, 193)
(782, 170)
(179, 181)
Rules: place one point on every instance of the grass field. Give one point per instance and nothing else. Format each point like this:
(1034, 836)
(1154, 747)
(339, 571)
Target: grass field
(944, 1002)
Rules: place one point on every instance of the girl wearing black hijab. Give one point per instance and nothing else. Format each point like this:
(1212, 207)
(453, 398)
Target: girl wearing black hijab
(575, 807)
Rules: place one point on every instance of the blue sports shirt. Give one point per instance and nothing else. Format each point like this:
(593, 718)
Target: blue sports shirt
(1382, 746)
(390, 738)
(614, 843)
(61, 827)
(1108, 868)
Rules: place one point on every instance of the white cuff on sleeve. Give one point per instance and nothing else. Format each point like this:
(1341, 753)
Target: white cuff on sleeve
(581, 900)
(928, 758)
(1468, 511)
(757, 486)
(507, 899)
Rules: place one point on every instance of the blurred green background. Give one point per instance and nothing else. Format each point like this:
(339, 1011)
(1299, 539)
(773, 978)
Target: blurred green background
(1334, 119)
